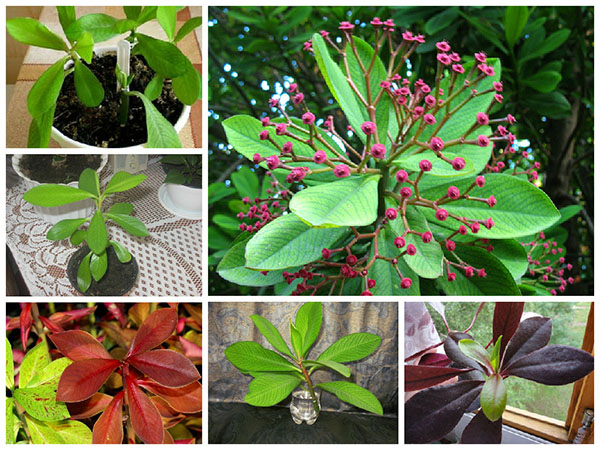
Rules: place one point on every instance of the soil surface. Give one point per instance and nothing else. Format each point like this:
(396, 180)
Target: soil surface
(100, 126)
(57, 168)
(119, 278)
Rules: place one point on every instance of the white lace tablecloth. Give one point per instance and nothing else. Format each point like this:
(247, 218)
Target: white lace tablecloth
(169, 258)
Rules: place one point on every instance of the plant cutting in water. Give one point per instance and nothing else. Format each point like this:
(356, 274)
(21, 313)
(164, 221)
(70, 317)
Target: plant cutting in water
(95, 263)
(276, 376)
(82, 33)
(518, 348)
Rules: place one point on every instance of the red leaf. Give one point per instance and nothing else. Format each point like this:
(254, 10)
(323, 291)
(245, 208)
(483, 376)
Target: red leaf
(116, 310)
(109, 427)
(157, 327)
(66, 316)
(421, 377)
(25, 324)
(145, 418)
(186, 399)
(51, 325)
(77, 345)
(507, 316)
(82, 379)
(169, 416)
(13, 323)
(166, 367)
(186, 441)
(482, 430)
(434, 359)
(90, 407)
(167, 438)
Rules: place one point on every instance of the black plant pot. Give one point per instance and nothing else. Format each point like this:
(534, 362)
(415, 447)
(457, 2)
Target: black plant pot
(119, 278)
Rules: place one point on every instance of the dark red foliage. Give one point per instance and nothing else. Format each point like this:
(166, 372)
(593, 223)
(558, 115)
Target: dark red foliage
(25, 324)
(482, 430)
(108, 429)
(421, 377)
(507, 316)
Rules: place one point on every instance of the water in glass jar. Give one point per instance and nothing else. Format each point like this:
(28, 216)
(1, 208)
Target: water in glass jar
(302, 407)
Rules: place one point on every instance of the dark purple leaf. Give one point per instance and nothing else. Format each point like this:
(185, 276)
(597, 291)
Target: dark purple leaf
(481, 430)
(532, 334)
(553, 365)
(421, 377)
(435, 359)
(433, 413)
(453, 352)
(507, 316)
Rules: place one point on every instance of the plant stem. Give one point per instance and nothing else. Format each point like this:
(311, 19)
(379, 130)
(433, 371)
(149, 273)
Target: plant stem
(124, 109)
(311, 389)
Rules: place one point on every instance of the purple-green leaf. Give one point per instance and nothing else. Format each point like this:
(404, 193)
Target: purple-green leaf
(482, 430)
(507, 316)
(453, 352)
(493, 397)
(433, 413)
(421, 377)
(475, 351)
(532, 334)
(554, 365)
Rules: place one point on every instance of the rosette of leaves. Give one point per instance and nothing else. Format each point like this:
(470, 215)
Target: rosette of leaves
(183, 169)
(82, 34)
(170, 377)
(520, 350)
(95, 263)
(276, 375)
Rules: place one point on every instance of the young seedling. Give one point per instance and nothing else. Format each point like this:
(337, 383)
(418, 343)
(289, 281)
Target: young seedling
(276, 376)
(95, 263)
(187, 168)
(82, 34)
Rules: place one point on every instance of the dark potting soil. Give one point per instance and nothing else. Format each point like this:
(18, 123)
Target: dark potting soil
(118, 279)
(57, 168)
(100, 126)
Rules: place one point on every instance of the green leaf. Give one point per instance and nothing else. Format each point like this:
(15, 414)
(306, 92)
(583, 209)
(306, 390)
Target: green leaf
(64, 229)
(271, 333)
(40, 129)
(493, 397)
(121, 208)
(512, 255)
(339, 368)
(187, 27)
(336, 81)
(167, 18)
(540, 47)
(89, 89)
(85, 46)
(188, 87)
(350, 201)
(97, 236)
(161, 133)
(42, 96)
(122, 253)
(296, 339)
(84, 276)
(475, 351)
(250, 356)
(495, 357)
(10, 368)
(102, 27)
(51, 373)
(226, 222)
(515, 19)
(66, 16)
(40, 403)
(35, 360)
(123, 181)
(78, 237)
(308, 323)
(42, 433)
(50, 195)
(270, 389)
(98, 265)
(132, 12)
(353, 394)
(10, 421)
(148, 13)
(163, 57)
(154, 88)
(352, 347)
(288, 242)
(521, 208)
(89, 182)
(132, 225)
(544, 82)
(72, 431)
(441, 20)
(440, 168)
(246, 182)
(31, 32)
(553, 105)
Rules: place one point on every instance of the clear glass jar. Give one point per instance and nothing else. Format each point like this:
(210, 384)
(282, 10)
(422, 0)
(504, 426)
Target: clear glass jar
(303, 408)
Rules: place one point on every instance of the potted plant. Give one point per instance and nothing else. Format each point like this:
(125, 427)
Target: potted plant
(61, 169)
(518, 348)
(102, 266)
(82, 101)
(277, 376)
(181, 192)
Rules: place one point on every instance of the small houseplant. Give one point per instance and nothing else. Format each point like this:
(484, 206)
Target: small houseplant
(91, 263)
(276, 376)
(181, 192)
(171, 76)
(518, 348)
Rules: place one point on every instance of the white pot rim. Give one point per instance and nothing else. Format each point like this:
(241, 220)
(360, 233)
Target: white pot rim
(60, 137)
(15, 164)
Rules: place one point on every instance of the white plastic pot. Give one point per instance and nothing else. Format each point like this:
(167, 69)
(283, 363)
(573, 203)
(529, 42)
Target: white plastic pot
(183, 201)
(77, 210)
(67, 142)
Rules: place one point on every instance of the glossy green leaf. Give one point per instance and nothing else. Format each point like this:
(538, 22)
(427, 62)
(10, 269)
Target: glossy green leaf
(270, 389)
(42, 433)
(250, 356)
(188, 87)
(308, 323)
(73, 431)
(40, 403)
(352, 347)
(440, 168)
(97, 236)
(88, 181)
(495, 356)
(84, 276)
(167, 18)
(10, 367)
(31, 32)
(50, 375)
(50, 195)
(515, 19)
(350, 201)
(154, 88)
(40, 129)
(246, 182)
(353, 394)
(122, 253)
(475, 351)
(132, 12)
(187, 27)
(64, 229)
(161, 133)
(85, 47)
(42, 96)
(441, 20)
(89, 89)
(132, 225)
(543, 81)
(296, 340)
(121, 208)
(544, 45)
(35, 360)
(123, 181)
(66, 16)
(148, 13)
(512, 255)
(163, 57)
(78, 237)
(553, 105)
(339, 368)
(10, 421)
(102, 27)
(98, 265)
(271, 334)
(493, 397)
(288, 242)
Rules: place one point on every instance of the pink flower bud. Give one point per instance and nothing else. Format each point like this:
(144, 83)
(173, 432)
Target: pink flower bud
(553, 291)
(483, 140)
(455, 57)
(482, 118)
(462, 230)
(489, 223)
(376, 22)
(366, 293)
(346, 26)
(406, 192)
(491, 201)
(368, 128)
(458, 68)
(298, 98)
(498, 86)
(399, 242)
(411, 250)
(436, 144)
(273, 162)
(427, 237)
(429, 119)
(308, 118)
(481, 273)
(458, 163)
(450, 245)
(287, 147)
(480, 181)
(378, 151)
(319, 157)
(385, 84)
(511, 119)
(351, 259)
(443, 46)
(371, 283)
(401, 176)
(264, 135)
(293, 87)
(498, 98)
(569, 266)
(406, 283)
(341, 171)
(265, 121)
(280, 129)
(326, 253)
(451, 276)
(453, 192)
(443, 58)
(391, 213)
(481, 57)
(425, 165)
(475, 227)
(469, 272)
(430, 101)
(257, 158)
(441, 214)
